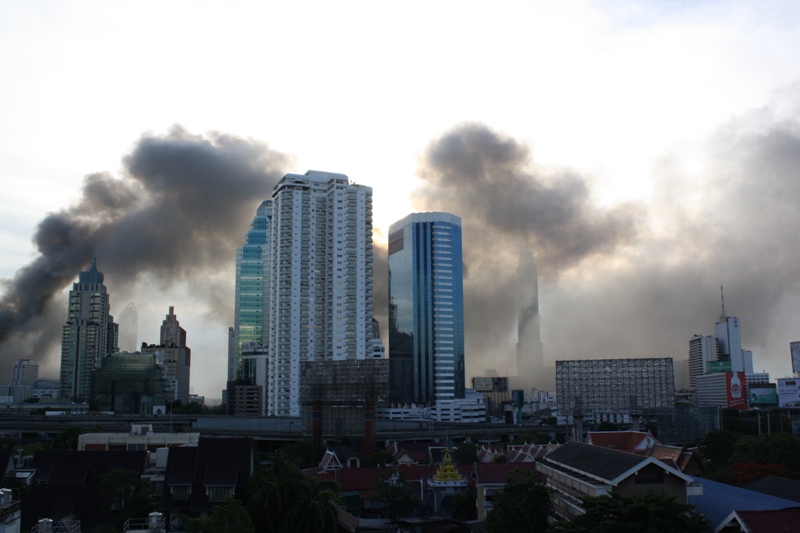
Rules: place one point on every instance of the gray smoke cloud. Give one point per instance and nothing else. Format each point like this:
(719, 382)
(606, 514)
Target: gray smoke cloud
(176, 212)
(506, 203)
(625, 281)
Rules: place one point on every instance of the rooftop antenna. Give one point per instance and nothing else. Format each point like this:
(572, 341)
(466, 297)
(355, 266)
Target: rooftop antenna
(722, 297)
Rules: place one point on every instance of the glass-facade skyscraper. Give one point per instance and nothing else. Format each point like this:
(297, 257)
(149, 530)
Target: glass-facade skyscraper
(253, 276)
(426, 308)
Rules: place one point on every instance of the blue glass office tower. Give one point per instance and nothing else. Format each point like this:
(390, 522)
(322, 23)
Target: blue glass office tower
(251, 308)
(426, 309)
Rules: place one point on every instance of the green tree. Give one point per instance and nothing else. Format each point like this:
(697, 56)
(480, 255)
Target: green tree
(717, 448)
(126, 496)
(466, 454)
(531, 438)
(777, 448)
(523, 504)
(67, 439)
(654, 512)
(465, 505)
(606, 426)
(283, 495)
(377, 459)
(397, 498)
(230, 516)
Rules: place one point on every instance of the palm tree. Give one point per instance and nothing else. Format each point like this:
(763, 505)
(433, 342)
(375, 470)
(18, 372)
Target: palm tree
(285, 500)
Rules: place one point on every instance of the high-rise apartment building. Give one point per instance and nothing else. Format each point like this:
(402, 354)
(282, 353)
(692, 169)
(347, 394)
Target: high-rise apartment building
(426, 305)
(321, 271)
(253, 278)
(25, 371)
(89, 334)
(129, 329)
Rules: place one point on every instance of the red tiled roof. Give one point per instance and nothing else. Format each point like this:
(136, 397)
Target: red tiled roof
(769, 521)
(626, 441)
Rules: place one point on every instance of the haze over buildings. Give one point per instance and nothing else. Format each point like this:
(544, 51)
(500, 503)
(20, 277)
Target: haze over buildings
(640, 193)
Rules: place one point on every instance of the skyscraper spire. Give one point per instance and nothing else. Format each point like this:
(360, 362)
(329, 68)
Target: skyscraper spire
(722, 317)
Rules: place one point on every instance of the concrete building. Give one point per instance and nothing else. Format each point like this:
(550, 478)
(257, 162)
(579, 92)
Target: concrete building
(702, 350)
(321, 292)
(614, 385)
(175, 357)
(88, 335)
(24, 372)
(253, 282)
(426, 305)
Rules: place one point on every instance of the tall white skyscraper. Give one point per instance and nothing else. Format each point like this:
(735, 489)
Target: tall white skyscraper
(321, 293)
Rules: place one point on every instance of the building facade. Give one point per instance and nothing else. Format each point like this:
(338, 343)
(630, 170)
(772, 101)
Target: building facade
(253, 281)
(426, 304)
(702, 350)
(88, 335)
(174, 356)
(614, 385)
(25, 371)
(321, 268)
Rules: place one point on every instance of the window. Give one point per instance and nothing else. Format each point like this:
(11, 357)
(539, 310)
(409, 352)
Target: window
(218, 493)
(181, 492)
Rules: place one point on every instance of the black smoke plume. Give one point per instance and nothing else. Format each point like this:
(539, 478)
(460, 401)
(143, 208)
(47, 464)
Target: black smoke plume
(176, 212)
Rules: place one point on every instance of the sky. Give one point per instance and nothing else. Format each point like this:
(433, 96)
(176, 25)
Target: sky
(647, 152)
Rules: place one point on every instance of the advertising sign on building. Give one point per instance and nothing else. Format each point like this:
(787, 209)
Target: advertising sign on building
(762, 396)
(518, 398)
(795, 347)
(788, 392)
(735, 385)
(718, 366)
(482, 384)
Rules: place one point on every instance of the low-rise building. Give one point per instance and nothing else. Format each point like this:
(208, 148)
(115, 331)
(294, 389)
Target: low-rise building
(576, 470)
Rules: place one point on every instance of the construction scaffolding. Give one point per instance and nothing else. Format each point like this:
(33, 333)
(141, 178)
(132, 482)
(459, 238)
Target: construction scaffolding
(338, 398)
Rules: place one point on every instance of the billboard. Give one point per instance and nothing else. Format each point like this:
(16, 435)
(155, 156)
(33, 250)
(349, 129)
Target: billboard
(482, 384)
(762, 395)
(735, 386)
(795, 348)
(788, 392)
(518, 398)
(718, 366)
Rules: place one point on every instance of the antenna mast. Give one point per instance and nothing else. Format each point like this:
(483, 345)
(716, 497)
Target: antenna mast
(722, 298)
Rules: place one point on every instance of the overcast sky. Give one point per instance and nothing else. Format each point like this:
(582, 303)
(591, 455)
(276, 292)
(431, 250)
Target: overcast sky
(648, 152)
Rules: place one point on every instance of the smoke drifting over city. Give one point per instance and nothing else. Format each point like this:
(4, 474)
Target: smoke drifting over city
(619, 281)
(177, 212)
(624, 280)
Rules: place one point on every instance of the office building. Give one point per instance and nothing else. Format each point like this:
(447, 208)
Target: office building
(174, 356)
(24, 372)
(320, 307)
(253, 278)
(594, 387)
(426, 305)
(88, 335)
(702, 351)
